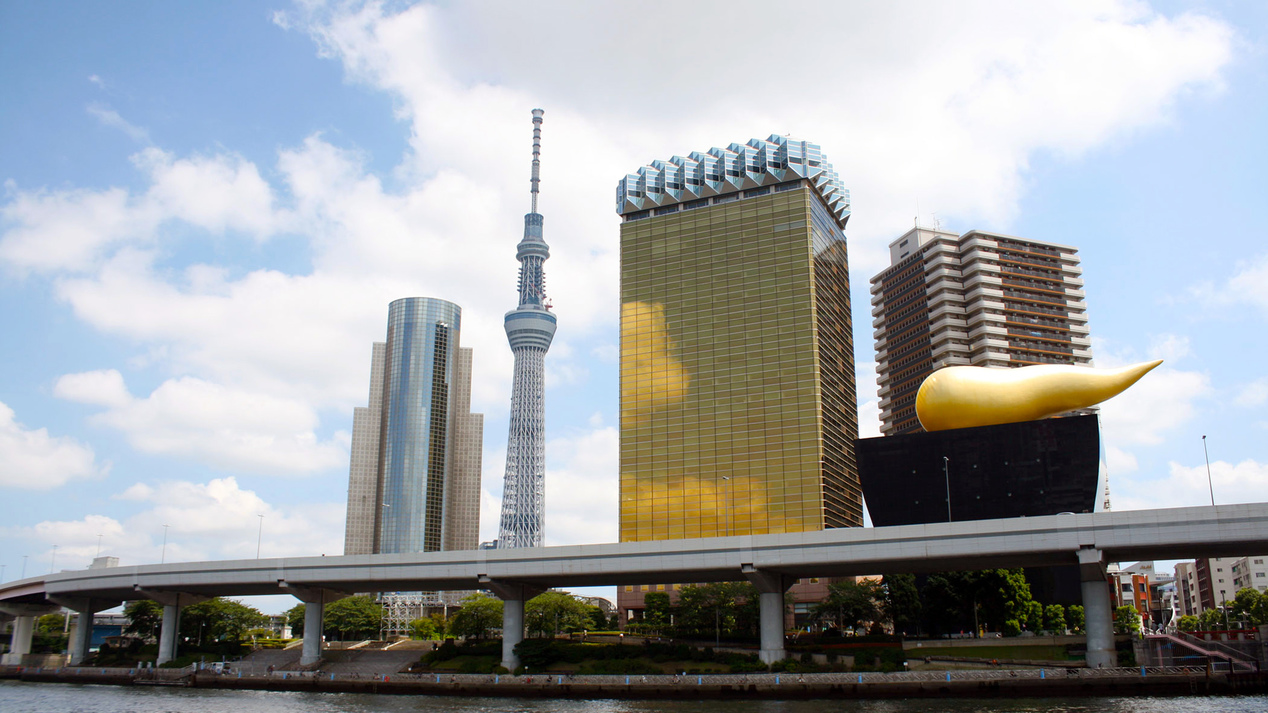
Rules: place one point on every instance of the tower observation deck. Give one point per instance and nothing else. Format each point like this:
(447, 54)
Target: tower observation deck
(530, 328)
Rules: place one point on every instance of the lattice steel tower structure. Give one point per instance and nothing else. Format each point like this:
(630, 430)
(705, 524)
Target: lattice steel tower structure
(530, 329)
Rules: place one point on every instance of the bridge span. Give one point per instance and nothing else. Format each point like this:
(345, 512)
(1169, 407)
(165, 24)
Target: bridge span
(771, 562)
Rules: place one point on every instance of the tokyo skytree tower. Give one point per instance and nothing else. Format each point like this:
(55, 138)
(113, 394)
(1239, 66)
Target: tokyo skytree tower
(530, 329)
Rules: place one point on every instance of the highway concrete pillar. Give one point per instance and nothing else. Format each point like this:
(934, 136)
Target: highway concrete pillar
(513, 596)
(315, 600)
(771, 586)
(512, 631)
(24, 618)
(20, 643)
(1098, 616)
(314, 613)
(169, 633)
(81, 635)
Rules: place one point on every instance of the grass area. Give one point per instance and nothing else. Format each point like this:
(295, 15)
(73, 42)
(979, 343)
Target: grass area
(1003, 653)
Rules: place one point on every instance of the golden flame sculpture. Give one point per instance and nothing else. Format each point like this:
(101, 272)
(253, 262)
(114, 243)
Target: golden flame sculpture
(968, 396)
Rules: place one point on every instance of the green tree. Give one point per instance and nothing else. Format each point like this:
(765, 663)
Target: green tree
(850, 604)
(902, 602)
(1034, 616)
(1188, 622)
(145, 616)
(424, 629)
(1054, 618)
(1126, 620)
(1074, 617)
(1248, 606)
(550, 613)
(955, 600)
(353, 619)
(598, 620)
(51, 624)
(219, 619)
(1212, 619)
(479, 614)
(656, 609)
(295, 618)
(712, 609)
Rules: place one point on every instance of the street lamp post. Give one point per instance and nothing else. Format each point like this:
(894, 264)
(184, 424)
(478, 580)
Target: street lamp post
(163, 552)
(52, 563)
(1208, 470)
(99, 536)
(259, 538)
(727, 480)
(23, 567)
(946, 473)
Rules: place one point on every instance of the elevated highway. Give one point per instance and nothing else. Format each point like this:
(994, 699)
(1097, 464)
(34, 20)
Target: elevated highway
(771, 562)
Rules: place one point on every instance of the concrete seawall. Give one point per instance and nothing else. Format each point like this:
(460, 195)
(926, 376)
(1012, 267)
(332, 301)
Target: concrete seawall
(977, 684)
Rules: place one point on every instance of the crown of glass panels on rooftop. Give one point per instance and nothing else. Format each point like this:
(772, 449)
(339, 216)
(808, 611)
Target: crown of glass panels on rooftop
(737, 167)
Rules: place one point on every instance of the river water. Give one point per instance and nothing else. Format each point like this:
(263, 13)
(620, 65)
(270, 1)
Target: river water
(19, 697)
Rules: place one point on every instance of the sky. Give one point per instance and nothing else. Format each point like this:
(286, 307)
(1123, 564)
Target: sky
(207, 207)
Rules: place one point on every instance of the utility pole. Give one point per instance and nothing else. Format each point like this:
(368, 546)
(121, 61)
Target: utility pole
(1208, 471)
(946, 473)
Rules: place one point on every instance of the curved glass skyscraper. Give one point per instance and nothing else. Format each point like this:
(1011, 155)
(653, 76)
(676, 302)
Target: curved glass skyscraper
(422, 349)
(414, 484)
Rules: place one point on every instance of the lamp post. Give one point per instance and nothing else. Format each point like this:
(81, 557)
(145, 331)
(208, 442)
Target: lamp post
(727, 479)
(52, 562)
(23, 576)
(1208, 470)
(259, 538)
(163, 552)
(946, 473)
(99, 536)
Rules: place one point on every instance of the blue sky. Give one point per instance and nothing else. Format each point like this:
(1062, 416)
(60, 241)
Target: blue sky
(207, 208)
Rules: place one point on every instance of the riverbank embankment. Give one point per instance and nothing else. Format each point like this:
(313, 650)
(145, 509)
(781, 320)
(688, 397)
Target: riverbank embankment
(909, 684)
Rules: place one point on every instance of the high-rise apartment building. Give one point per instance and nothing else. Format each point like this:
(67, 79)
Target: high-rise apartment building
(414, 481)
(737, 363)
(530, 328)
(980, 299)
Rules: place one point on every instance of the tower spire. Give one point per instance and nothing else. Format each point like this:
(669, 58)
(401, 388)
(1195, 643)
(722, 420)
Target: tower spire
(530, 327)
(537, 152)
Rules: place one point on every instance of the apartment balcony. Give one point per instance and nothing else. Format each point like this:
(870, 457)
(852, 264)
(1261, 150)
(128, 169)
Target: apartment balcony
(945, 307)
(949, 348)
(1079, 295)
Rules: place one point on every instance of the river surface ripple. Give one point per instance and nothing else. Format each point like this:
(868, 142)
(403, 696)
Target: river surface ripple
(21, 697)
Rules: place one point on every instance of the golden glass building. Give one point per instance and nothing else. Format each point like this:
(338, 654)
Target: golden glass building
(738, 408)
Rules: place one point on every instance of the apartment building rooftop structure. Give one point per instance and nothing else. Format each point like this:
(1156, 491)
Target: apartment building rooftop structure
(979, 299)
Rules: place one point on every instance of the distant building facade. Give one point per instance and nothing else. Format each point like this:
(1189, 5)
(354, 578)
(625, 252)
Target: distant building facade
(414, 479)
(980, 299)
(738, 406)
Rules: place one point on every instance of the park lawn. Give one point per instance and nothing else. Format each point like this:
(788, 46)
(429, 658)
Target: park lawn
(1003, 653)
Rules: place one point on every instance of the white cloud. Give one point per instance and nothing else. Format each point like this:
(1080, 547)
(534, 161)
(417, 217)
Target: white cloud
(1162, 401)
(581, 491)
(1244, 482)
(1247, 286)
(32, 459)
(224, 427)
(869, 405)
(110, 117)
(206, 521)
(1253, 394)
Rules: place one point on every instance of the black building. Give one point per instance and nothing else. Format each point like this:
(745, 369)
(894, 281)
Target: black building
(1025, 469)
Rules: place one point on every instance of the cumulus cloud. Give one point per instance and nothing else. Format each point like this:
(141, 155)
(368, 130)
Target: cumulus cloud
(1248, 286)
(1244, 482)
(1161, 402)
(581, 491)
(32, 459)
(217, 425)
(214, 520)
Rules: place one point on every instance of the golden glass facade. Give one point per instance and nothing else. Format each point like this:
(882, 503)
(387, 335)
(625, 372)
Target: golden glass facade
(738, 408)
